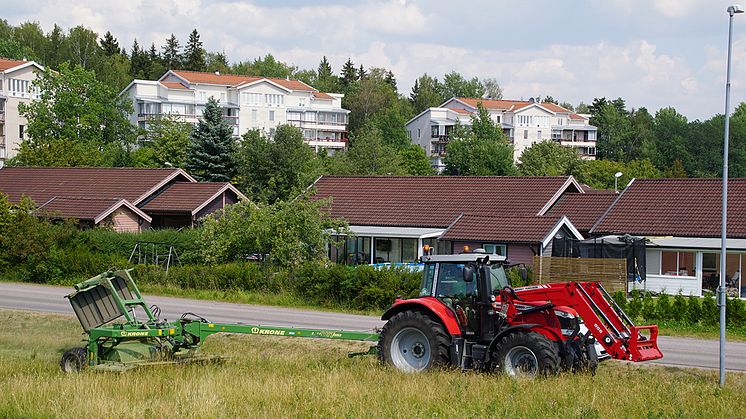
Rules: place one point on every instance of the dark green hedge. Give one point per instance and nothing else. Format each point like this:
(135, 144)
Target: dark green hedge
(683, 310)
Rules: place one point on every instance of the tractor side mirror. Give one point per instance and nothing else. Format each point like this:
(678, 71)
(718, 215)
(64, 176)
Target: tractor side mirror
(468, 273)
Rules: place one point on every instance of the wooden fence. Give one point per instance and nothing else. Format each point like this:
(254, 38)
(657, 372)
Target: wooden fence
(611, 273)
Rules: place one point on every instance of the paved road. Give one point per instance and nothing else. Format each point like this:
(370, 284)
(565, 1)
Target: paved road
(683, 352)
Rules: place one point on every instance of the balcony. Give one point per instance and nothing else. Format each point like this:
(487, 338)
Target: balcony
(230, 119)
(439, 139)
(2, 117)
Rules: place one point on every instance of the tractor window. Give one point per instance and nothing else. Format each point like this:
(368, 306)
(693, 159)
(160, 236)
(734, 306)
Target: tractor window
(451, 281)
(428, 276)
(498, 278)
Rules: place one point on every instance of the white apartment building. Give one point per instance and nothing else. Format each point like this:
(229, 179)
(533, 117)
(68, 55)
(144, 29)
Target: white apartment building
(248, 103)
(524, 123)
(16, 87)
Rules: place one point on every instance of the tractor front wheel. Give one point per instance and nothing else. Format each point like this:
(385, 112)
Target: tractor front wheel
(527, 354)
(74, 359)
(412, 342)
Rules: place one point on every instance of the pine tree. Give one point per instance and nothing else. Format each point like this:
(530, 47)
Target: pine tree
(361, 73)
(325, 70)
(210, 154)
(138, 62)
(194, 54)
(349, 74)
(171, 55)
(390, 79)
(110, 45)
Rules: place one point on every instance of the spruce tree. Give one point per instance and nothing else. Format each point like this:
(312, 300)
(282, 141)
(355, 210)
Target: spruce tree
(138, 62)
(110, 45)
(390, 79)
(349, 74)
(171, 55)
(361, 73)
(325, 69)
(194, 54)
(212, 146)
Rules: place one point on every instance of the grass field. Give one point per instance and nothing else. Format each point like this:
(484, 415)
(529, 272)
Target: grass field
(291, 377)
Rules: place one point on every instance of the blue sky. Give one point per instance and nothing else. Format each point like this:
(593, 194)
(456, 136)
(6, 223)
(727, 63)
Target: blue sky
(653, 53)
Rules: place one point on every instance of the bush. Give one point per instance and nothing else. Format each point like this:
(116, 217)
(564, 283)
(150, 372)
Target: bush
(678, 308)
(693, 310)
(649, 309)
(663, 307)
(620, 297)
(709, 311)
(635, 304)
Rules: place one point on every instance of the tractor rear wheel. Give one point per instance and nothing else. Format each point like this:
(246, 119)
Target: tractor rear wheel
(412, 342)
(74, 359)
(527, 354)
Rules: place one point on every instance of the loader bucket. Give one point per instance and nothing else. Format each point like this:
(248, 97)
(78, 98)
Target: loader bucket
(643, 348)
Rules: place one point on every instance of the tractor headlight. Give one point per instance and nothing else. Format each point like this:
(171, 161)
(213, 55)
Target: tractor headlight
(569, 324)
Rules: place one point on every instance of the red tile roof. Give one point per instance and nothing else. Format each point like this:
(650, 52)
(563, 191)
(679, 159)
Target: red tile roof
(174, 85)
(6, 63)
(509, 104)
(85, 208)
(459, 110)
(676, 207)
(583, 209)
(44, 183)
(322, 96)
(435, 201)
(236, 80)
(576, 117)
(502, 229)
(187, 196)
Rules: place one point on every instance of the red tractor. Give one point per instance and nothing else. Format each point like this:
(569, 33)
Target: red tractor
(467, 315)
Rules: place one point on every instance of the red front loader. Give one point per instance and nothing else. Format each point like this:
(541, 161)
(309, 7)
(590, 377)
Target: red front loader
(468, 316)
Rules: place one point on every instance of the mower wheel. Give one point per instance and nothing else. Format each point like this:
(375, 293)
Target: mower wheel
(526, 354)
(412, 342)
(74, 359)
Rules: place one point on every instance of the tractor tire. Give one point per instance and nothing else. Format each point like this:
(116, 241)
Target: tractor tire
(412, 342)
(74, 360)
(583, 358)
(526, 354)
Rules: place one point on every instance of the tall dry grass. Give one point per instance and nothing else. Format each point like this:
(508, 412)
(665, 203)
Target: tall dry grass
(290, 377)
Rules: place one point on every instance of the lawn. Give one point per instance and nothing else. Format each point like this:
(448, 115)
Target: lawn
(290, 377)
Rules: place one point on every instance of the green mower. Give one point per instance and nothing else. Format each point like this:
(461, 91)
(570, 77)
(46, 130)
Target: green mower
(108, 306)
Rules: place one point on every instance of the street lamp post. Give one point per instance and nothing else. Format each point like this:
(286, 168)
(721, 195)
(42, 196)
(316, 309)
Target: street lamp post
(617, 175)
(732, 10)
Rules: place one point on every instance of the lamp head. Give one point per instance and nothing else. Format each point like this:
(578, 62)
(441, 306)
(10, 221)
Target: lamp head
(735, 9)
(618, 174)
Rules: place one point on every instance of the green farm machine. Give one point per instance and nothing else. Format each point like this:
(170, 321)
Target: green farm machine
(102, 302)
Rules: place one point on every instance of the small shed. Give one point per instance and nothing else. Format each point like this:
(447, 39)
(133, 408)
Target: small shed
(185, 203)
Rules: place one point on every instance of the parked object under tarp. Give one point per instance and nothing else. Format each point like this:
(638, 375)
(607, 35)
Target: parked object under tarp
(617, 247)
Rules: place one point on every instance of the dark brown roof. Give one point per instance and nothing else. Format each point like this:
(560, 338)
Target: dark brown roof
(502, 229)
(583, 209)
(676, 207)
(436, 201)
(44, 183)
(187, 196)
(84, 208)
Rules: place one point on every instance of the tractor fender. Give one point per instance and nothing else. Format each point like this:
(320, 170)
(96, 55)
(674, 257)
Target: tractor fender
(427, 305)
(551, 334)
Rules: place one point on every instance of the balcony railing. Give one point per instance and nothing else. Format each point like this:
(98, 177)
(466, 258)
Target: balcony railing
(439, 139)
(230, 119)
(2, 116)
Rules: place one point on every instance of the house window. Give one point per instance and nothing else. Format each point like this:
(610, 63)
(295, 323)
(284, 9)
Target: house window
(253, 115)
(274, 100)
(711, 272)
(311, 116)
(678, 263)
(203, 96)
(434, 131)
(222, 98)
(271, 115)
(591, 135)
(419, 134)
(538, 135)
(21, 131)
(496, 249)
(525, 134)
(498, 118)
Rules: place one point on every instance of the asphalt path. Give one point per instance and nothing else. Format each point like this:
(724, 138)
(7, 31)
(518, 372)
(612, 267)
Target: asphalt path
(677, 351)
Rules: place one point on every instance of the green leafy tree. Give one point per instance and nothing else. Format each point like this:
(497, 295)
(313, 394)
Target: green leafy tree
(391, 121)
(368, 97)
(492, 89)
(614, 129)
(426, 93)
(481, 150)
(367, 155)
(671, 130)
(10, 48)
(114, 71)
(110, 45)
(287, 232)
(81, 46)
(171, 53)
(276, 169)
(676, 170)
(265, 67)
(548, 158)
(55, 47)
(599, 174)
(217, 61)
(582, 108)
(194, 54)
(168, 138)
(414, 161)
(210, 155)
(455, 85)
(31, 36)
(568, 106)
(75, 119)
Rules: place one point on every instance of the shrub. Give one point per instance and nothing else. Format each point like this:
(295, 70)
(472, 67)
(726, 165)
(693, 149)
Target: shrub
(709, 311)
(620, 297)
(663, 307)
(678, 308)
(649, 309)
(693, 310)
(635, 304)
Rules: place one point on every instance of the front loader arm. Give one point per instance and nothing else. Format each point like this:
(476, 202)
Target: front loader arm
(611, 327)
